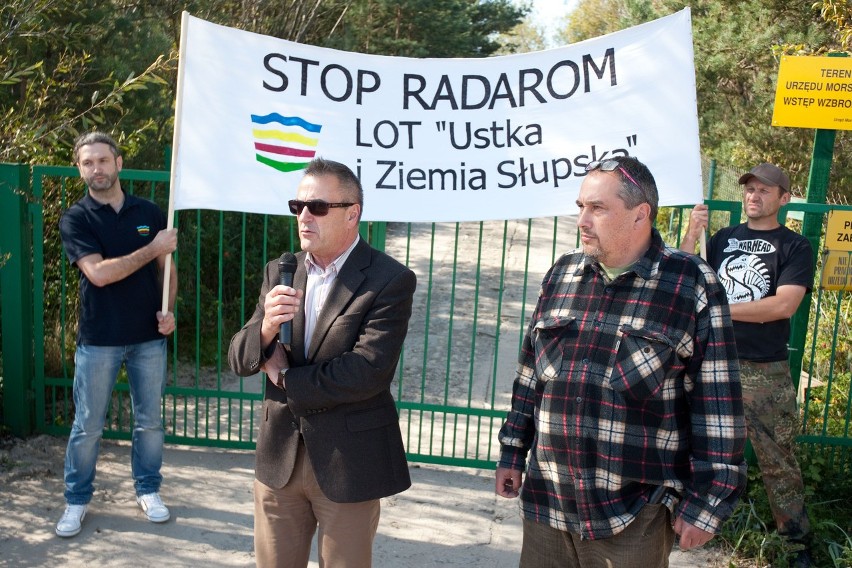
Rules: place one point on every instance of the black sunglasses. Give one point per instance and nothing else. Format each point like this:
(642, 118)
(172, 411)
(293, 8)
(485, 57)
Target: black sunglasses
(317, 207)
(609, 166)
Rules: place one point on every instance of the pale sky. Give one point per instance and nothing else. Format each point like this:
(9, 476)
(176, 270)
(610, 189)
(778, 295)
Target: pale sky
(549, 13)
(548, 10)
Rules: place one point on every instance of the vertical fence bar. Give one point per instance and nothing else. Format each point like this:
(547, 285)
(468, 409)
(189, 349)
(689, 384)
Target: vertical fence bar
(63, 286)
(474, 329)
(220, 284)
(175, 360)
(448, 368)
(400, 368)
(198, 319)
(37, 216)
(243, 218)
(812, 363)
(17, 299)
(811, 229)
(426, 330)
(711, 179)
(523, 317)
(497, 325)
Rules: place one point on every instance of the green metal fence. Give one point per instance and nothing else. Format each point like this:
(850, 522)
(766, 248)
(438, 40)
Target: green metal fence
(477, 285)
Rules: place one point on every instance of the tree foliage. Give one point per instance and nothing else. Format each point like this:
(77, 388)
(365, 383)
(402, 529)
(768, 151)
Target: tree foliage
(738, 45)
(525, 37)
(838, 13)
(71, 66)
(54, 84)
(424, 28)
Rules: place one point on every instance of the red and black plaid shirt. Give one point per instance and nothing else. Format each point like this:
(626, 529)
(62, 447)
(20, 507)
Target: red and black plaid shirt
(624, 385)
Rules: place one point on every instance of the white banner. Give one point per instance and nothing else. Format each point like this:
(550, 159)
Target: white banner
(433, 139)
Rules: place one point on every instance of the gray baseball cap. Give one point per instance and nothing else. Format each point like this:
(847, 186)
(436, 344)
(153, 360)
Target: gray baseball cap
(768, 174)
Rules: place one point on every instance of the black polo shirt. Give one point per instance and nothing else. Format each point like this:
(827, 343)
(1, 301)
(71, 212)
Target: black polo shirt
(124, 312)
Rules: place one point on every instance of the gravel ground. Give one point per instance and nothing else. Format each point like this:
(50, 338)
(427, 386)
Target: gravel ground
(450, 517)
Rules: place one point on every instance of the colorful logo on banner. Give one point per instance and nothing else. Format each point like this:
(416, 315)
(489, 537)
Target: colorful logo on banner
(286, 143)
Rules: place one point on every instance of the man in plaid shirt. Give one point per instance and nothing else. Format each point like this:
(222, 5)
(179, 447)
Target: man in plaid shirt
(627, 395)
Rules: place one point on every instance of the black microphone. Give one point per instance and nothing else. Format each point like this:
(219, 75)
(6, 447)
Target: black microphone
(286, 269)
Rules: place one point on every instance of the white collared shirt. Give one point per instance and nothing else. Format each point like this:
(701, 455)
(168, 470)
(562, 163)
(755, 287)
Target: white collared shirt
(318, 285)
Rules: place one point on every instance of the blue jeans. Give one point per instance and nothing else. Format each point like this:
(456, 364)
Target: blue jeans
(94, 378)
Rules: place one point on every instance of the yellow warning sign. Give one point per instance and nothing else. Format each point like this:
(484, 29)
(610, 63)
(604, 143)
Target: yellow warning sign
(814, 92)
(836, 270)
(838, 231)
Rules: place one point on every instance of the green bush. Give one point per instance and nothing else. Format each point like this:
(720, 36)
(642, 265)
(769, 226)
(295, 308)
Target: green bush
(750, 535)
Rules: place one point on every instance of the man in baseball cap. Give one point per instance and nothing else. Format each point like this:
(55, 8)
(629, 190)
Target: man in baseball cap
(768, 174)
(766, 269)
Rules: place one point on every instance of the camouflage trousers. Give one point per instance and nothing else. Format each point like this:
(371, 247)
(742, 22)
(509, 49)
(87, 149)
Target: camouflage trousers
(773, 422)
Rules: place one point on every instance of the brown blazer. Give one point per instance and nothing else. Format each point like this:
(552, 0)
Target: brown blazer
(338, 397)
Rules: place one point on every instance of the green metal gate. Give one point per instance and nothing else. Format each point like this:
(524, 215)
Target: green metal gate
(477, 285)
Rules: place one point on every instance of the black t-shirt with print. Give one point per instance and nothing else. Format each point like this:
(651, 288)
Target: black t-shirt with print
(752, 265)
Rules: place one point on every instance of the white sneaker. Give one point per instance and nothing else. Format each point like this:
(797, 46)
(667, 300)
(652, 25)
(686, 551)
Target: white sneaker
(153, 507)
(71, 521)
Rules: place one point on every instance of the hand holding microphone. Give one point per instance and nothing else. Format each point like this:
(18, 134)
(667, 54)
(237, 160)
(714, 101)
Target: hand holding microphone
(281, 303)
(286, 269)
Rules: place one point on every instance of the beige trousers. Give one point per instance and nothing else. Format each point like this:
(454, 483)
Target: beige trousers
(285, 521)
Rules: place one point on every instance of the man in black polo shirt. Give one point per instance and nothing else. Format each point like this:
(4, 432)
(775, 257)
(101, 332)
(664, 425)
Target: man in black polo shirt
(119, 243)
